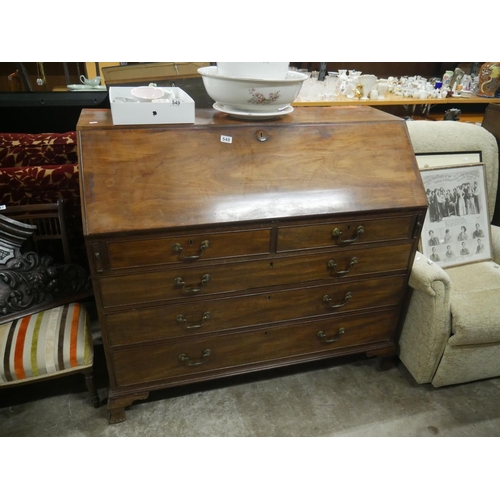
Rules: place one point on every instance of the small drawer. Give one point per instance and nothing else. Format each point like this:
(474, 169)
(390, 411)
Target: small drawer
(189, 318)
(190, 282)
(187, 248)
(266, 345)
(342, 233)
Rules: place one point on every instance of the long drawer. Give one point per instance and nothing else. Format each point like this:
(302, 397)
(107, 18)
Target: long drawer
(207, 316)
(170, 283)
(181, 359)
(342, 232)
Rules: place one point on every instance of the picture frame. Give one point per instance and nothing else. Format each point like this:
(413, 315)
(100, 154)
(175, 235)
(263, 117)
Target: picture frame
(430, 160)
(456, 228)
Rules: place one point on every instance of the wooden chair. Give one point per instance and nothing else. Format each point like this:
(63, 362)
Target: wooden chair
(44, 329)
(50, 222)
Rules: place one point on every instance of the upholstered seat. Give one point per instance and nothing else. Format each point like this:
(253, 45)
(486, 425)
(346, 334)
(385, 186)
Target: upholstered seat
(475, 304)
(50, 343)
(42, 344)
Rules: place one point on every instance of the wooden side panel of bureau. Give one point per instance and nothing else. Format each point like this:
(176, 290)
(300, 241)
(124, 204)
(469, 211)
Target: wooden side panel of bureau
(212, 259)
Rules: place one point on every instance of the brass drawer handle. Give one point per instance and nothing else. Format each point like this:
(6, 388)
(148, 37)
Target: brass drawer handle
(177, 248)
(328, 299)
(322, 336)
(332, 265)
(182, 319)
(184, 358)
(191, 289)
(337, 233)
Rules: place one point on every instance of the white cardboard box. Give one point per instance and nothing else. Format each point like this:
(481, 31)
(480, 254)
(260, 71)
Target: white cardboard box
(179, 110)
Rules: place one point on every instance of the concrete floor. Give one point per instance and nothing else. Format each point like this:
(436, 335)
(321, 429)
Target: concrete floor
(339, 397)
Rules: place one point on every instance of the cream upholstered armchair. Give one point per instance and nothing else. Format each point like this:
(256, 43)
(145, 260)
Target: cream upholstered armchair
(451, 333)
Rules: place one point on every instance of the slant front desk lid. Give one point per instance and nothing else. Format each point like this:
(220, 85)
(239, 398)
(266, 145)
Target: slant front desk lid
(221, 170)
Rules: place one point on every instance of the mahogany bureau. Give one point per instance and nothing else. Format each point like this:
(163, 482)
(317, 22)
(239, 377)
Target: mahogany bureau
(229, 246)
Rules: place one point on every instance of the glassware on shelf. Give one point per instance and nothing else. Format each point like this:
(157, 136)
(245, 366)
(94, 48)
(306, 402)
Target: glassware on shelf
(382, 88)
(343, 81)
(333, 87)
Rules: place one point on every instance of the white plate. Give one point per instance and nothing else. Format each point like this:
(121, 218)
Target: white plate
(250, 115)
(86, 88)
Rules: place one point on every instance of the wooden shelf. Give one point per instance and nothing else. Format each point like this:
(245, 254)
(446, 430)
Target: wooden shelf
(92, 98)
(394, 100)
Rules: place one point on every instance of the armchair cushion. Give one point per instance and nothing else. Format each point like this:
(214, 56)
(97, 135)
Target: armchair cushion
(28, 150)
(51, 342)
(474, 304)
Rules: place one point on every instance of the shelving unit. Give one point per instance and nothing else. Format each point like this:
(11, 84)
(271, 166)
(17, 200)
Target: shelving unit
(411, 105)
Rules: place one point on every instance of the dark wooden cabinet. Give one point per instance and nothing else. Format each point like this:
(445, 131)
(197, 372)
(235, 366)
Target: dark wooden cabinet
(215, 253)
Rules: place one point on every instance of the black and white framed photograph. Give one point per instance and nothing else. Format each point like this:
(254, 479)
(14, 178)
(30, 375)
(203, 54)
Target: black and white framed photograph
(456, 229)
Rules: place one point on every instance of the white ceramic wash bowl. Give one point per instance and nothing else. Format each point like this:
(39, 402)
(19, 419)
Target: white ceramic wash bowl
(147, 93)
(252, 94)
(264, 70)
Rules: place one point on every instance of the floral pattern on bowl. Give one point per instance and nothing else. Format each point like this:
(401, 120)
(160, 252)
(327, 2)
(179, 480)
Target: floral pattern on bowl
(258, 98)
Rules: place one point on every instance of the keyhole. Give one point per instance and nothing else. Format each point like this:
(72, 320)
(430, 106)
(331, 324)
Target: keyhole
(261, 135)
(190, 243)
(271, 265)
(154, 113)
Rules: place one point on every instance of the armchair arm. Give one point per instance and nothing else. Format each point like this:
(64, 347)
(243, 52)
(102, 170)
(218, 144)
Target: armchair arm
(495, 243)
(425, 275)
(427, 325)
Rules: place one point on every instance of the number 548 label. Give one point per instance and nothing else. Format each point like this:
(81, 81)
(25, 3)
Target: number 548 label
(226, 138)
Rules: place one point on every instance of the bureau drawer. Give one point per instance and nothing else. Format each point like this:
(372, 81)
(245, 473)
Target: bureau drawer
(343, 233)
(208, 316)
(191, 281)
(187, 248)
(182, 359)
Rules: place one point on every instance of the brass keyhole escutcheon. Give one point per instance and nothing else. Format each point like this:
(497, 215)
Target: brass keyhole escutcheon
(262, 135)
